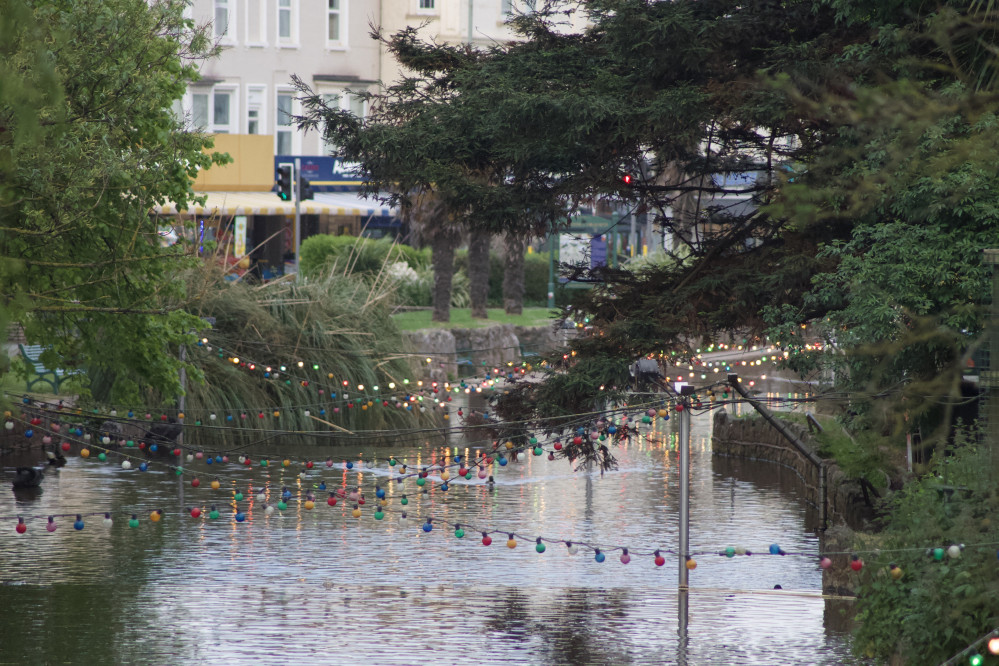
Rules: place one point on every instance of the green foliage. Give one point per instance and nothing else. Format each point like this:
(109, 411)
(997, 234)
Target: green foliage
(339, 323)
(536, 279)
(363, 256)
(462, 318)
(89, 145)
(860, 455)
(938, 607)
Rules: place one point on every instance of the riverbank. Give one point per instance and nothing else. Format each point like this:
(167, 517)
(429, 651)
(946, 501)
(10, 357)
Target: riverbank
(850, 502)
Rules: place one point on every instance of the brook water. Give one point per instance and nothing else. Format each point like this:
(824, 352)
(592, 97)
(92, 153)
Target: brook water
(322, 587)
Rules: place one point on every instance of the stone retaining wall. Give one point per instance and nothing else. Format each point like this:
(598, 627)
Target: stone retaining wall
(756, 439)
(494, 345)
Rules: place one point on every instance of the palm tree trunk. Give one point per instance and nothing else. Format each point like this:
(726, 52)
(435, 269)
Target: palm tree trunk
(478, 272)
(442, 246)
(513, 274)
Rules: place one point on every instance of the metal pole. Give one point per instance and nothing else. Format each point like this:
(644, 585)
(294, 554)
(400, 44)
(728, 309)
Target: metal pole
(681, 612)
(471, 27)
(298, 212)
(684, 406)
(733, 380)
(551, 270)
(181, 403)
(632, 237)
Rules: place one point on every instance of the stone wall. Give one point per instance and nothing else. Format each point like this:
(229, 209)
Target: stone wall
(756, 439)
(494, 345)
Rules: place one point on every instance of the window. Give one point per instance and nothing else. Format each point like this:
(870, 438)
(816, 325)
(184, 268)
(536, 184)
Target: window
(256, 22)
(213, 111)
(286, 23)
(255, 109)
(333, 101)
(284, 134)
(199, 111)
(355, 104)
(336, 27)
(423, 6)
(346, 100)
(221, 112)
(225, 28)
(506, 7)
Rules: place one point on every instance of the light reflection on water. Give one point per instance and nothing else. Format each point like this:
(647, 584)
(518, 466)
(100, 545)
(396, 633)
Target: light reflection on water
(325, 587)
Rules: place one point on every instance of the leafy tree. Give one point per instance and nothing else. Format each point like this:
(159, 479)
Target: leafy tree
(88, 144)
(934, 605)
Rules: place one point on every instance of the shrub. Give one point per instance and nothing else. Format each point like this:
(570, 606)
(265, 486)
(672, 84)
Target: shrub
(363, 256)
(937, 607)
(414, 287)
(536, 280)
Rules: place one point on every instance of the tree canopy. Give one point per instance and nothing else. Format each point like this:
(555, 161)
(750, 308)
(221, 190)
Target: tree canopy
(813, 161)
(88, 144)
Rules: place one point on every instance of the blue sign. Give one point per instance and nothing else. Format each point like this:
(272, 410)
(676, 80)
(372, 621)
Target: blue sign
(325, 174)
(598, 251)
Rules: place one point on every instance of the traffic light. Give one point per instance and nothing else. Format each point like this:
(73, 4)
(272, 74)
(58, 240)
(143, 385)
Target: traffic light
(305, 189)
(283, 178)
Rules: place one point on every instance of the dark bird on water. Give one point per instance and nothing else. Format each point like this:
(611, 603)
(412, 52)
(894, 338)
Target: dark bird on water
(28, 477)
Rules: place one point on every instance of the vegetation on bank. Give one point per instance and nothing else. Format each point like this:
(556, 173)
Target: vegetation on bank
(412, 275)
(462, 318)
(940, 602)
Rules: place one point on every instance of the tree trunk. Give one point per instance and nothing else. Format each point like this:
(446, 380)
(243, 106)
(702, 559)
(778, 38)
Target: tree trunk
(513, 273)
(478, 271)
(442, 246)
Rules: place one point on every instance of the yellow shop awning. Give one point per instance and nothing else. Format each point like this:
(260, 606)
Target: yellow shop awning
(267, 203)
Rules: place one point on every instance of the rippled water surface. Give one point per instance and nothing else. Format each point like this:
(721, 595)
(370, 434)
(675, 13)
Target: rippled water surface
(322, 587)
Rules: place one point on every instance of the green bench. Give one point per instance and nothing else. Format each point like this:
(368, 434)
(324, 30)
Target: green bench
(32, 355)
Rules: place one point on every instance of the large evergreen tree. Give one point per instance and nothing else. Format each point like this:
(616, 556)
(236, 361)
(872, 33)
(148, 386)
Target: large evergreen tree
(811, 160)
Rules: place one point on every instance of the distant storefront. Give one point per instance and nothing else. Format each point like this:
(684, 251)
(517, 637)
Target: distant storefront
(244, 216)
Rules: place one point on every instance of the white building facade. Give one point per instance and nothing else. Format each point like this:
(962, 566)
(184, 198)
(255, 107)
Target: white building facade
(248, 89)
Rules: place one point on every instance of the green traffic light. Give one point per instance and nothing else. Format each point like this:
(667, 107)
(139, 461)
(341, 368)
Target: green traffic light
(976, 660)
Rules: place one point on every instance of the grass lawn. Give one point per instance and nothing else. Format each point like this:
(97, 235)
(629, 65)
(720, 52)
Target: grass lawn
(462, 318)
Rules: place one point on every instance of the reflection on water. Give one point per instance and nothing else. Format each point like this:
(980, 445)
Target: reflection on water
(325, 587)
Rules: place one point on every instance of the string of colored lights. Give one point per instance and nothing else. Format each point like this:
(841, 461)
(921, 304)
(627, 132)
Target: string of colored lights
(599, 550)
(368, 434)
(465, 469)
(991, 641)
